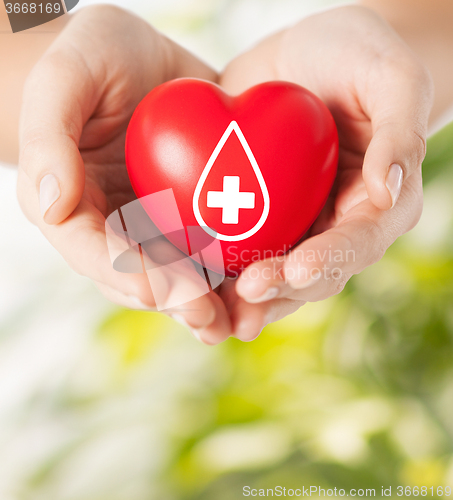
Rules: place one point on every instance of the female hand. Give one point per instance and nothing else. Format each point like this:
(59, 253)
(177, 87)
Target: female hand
(380, 96)
(77, 104)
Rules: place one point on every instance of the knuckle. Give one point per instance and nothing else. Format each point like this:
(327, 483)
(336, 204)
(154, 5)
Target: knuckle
(45, 71)
(89, 256)
(376, 242)
(334, 287)
(414, 151)
(412, 142)
(339, 284)
(373, 240)
(38, 129)
(31, 155)
(413, 203)
(34, 141)
(417, 72)
(401, 62)
(413, 146)
(418, 141)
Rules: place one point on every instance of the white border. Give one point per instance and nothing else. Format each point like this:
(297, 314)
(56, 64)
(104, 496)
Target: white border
(196, 196)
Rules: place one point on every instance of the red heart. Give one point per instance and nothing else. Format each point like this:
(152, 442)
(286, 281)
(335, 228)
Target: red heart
(255, 170)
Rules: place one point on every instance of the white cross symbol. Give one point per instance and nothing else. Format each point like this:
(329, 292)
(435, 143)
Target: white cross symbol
(230, 200)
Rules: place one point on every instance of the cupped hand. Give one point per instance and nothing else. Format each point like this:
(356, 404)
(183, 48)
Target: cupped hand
(380, 96)
(77, 103)
(81, 95)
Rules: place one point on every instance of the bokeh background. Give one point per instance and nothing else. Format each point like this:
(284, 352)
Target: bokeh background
(101, 403)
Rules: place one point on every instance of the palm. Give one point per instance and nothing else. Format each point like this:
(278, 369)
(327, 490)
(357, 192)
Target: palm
(107, 185)
(349, 187)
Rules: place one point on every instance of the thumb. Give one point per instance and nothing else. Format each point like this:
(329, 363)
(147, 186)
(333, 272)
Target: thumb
(53, 114)
(399, 117)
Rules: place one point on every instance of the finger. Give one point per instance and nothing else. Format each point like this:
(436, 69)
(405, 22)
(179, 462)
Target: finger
(262, 281)
(82, 241)
(398, 101)
(180, 288)
(219, 329)
(317, 279)
(249, 320)
(185, 295)
(120, 299)
(59, 96)
(322, 265)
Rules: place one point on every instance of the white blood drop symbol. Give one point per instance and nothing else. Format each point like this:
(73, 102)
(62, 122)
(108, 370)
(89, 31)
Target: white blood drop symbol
(233, 126)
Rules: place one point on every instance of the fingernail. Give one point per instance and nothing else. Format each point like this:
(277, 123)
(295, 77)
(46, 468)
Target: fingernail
(254, 338)
(269, 294)
(394, 182)
(182, 321)
(49, 192)
(195, 333)
(308, 280)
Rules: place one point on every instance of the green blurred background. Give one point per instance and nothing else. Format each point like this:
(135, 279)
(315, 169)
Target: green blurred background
(352, 392)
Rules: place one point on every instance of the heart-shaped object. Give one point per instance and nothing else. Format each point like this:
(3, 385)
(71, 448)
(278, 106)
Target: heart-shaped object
(254, 170)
